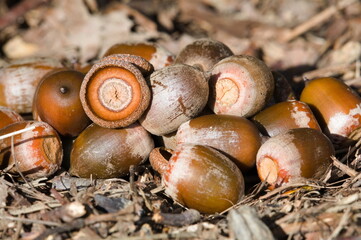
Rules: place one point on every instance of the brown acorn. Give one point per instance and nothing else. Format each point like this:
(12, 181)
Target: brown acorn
(337, 107)
(234, 136)
(293, 155)
(114, 93)
(199, 177)
(37, 152)
(157, 55)
(179, 93)
(283, 116)
(203, 53)
(57, 102)
(240, 85)
(8, 116)
(19, 79)
(108, 152)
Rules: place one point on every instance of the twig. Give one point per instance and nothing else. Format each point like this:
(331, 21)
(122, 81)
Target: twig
(26, 220)
(177, 219)
(349, 171)
(344, 219)
(316, 20)
(18, 11)
(16, 132)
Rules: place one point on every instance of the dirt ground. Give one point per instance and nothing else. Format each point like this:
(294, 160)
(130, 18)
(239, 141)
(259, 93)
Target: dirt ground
(299, 38)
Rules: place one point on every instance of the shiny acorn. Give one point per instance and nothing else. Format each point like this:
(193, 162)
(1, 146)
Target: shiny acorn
(57, 102)
(179, 93)
(203, 53)
(8, 116)
(157, 55)
(37, 152)
(293, 155)
(337, 108)
(240, 85)
(236, 137)
(109, 152)
(19, 79)
(199, 177)
(283, 116)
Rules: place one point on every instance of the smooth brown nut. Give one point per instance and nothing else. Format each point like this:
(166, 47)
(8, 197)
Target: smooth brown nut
(234, 136)
(57, 102)
(108, 152)
(336, 106)
(203, 53)
(284, 116)
(157, 55)
(199, 177)
(240, 85)
(37, 152)
(8, 116)
(19, 79)
(293, 155)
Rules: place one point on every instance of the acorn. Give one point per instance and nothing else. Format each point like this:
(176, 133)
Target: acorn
(157, 55)
(179, 93)
(283, 116)
(57, 102)
(37, 151)
(203, 53)
(109, 152)
(199, 177)
(114, 92)
(293, 155)
(236, 137)
(240, 85)
(8, 116)
(19, 79)
(336, 106)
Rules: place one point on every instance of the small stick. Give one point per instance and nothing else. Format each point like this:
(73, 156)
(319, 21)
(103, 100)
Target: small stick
(349, 171)
(316, 20)
(177, 219)
(16, 132)
(26, 220)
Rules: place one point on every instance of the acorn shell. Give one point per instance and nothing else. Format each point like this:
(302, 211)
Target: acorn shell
(203, 53)
(284, 116)
(293, 155)
(114, 93)
(202, 178)
(19, 79)
(240, 85)
(107, 153)
(179, 93)
(8, 116)
(57, 102)
(38, 152)
(336, 106)
(236, 137)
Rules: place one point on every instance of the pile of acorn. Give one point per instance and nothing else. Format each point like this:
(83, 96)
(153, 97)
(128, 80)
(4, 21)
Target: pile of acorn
(212, 114)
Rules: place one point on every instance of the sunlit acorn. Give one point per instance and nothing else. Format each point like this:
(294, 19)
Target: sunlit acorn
(37, 152)
(236, 137)
(203, 53)
(337, 107)
(283, 116)
(157, 55)
(179, 93)
(199, 177)
(293, 155)
(109, 152)
(8, 116)
(114, 93)
(240, 85)
(19, 79)
(57, 102)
